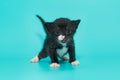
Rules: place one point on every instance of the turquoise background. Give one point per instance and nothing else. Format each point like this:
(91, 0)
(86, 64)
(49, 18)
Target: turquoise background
(97, 39)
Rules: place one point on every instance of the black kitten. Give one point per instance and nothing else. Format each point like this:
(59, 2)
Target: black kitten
(59, 41)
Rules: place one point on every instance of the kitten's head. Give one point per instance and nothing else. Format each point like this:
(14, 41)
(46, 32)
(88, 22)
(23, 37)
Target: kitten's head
(62, 29)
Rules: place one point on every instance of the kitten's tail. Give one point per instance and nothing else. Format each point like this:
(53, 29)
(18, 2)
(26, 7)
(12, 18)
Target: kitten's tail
(42, 20)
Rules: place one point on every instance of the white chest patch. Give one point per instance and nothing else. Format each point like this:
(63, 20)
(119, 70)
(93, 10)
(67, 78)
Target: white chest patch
(62, 51)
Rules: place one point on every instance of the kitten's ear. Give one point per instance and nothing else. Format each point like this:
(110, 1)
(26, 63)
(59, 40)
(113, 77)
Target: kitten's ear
(49, 26)
(75, 23)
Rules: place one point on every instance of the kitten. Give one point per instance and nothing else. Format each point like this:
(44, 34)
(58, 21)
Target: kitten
(59, 41)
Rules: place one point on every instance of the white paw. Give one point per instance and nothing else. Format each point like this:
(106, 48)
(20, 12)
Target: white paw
(75, 63)
(65, 58)
(54, 65)
(35, 59)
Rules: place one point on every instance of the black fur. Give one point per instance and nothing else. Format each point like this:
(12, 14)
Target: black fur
(61, 26)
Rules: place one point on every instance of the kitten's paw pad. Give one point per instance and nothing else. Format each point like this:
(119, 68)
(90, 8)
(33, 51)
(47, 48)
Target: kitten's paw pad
(75, 63)
(65, 58)
(54, 65)
(35, 59)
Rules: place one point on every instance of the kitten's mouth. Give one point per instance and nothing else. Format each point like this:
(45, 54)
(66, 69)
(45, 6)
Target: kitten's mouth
(63, 41)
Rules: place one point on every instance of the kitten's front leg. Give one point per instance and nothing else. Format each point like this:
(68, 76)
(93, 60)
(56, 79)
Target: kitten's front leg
(71, 52)
(54, 59)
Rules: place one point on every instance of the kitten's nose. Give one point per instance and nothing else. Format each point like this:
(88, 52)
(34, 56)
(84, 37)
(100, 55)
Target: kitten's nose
(61, 37)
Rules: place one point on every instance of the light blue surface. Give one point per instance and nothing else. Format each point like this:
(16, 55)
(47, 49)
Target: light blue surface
(97, 39)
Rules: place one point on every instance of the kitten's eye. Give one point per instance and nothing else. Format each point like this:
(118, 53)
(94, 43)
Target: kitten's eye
(68, 31)
(57, 33)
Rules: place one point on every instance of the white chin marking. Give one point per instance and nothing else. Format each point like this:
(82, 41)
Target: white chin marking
(75, 63)
(35, 59)
(61, 37)
(54, 65)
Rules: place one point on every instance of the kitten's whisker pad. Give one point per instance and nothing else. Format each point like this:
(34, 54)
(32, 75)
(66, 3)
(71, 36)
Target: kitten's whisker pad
(61, 37)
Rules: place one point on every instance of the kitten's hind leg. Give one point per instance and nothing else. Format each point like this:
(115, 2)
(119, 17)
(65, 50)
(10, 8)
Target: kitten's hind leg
(41, 55)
